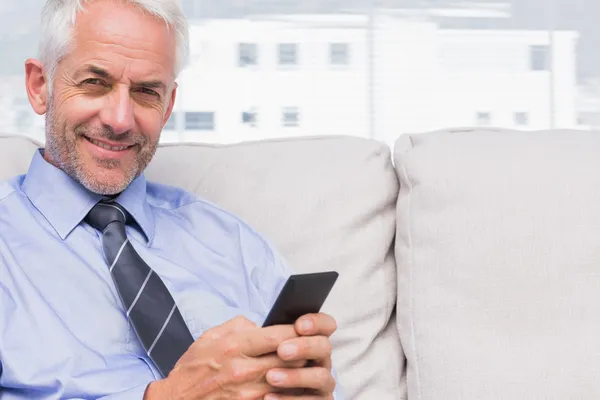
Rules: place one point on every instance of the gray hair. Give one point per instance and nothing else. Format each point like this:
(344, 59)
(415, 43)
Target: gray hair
(59, 16)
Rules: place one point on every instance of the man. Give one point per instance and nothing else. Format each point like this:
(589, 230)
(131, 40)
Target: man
(116, 288)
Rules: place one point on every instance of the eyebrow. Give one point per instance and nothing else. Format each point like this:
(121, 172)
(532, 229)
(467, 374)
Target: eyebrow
(95, 70)
(152, 85)
(92, 69)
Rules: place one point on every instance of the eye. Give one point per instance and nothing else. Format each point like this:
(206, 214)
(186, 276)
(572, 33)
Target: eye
(147, 91)
(94, 82)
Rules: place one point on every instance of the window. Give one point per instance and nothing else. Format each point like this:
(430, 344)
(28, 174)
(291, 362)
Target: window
(250, 117)
(333, 54)
(540, 58)
(484, 119)
(170, 125)
(591, 119)
(291, 116)
(288, 54)
(203, 121)
(521, 119)
(339, 53)
(248, 54)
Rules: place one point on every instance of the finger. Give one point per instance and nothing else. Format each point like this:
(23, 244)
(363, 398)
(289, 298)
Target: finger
(315, 324)
(326, 363)
(280, 396)
(316, 348)
(264, 340)
(316, 378)
(254, 369)
(237, 324)
(256, 390)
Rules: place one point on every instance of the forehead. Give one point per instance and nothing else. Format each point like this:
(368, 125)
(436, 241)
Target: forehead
(120, 35)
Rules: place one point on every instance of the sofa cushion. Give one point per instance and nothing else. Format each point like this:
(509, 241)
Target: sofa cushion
(15, 155)
(326, 204)
(498, 252)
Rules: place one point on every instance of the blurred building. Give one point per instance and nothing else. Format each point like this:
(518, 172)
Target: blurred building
(373, 75)
(589, 105)
(368, 72)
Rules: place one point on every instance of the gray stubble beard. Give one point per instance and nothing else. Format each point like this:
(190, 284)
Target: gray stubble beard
(62, 148)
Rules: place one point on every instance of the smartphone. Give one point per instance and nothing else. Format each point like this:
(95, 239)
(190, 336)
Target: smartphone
(302, 294)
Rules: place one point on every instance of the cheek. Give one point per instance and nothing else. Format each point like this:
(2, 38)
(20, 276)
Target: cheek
(149, 122)
(79, 110)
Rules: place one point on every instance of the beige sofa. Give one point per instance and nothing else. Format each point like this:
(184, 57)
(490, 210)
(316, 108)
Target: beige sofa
(469, 259)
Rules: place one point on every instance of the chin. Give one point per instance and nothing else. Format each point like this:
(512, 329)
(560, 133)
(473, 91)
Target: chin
(104, 188)
(109, 182)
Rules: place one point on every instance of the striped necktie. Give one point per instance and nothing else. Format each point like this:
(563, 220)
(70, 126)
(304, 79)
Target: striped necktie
(150, 307)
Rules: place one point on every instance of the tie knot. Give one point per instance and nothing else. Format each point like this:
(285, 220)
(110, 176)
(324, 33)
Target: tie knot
(104, 213)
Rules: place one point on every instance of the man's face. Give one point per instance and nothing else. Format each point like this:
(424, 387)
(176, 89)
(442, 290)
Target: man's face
(112, 95)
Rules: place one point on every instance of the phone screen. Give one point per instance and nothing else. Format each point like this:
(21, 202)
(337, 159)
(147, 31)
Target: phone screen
(302, 294)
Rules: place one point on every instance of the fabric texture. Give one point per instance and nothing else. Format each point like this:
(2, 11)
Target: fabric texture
(15, 155)
(498, 253)
(326, 204)
(65, 333)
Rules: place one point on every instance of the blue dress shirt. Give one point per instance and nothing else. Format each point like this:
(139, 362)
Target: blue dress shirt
(63, 331)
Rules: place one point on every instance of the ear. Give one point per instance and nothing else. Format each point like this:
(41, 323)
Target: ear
(171, 104)
(36, 85)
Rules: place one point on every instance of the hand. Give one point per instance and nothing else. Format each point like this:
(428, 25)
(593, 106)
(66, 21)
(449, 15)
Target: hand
(312, 345)
(227, 362)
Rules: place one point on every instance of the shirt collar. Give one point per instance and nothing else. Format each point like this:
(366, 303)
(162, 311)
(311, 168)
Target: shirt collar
(134, 200)
(64, 202)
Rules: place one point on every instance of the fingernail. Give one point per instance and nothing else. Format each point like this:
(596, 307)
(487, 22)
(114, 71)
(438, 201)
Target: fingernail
(287, 350)
(276, 377)
(306, 325)
(271, 397)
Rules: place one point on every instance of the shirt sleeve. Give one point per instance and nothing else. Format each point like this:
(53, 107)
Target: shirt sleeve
(136, 393)
(275, 272)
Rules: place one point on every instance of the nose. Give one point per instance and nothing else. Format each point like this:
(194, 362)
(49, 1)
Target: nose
(118, 111)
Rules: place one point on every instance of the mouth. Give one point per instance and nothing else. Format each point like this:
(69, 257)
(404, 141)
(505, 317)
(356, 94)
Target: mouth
(109, 146)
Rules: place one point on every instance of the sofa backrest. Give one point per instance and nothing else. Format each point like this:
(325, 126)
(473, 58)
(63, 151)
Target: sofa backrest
(498, 254)
(326, 203)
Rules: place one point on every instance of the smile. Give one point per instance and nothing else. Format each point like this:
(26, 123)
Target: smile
(106, 146)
